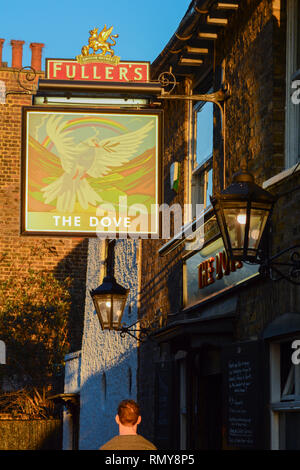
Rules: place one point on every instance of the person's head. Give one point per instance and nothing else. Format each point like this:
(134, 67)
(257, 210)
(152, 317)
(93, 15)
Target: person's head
(128, 417)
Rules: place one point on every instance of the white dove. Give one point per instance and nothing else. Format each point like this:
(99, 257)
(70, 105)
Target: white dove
(92, 157)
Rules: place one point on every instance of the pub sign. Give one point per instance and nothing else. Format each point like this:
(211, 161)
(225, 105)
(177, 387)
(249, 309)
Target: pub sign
(90, 172)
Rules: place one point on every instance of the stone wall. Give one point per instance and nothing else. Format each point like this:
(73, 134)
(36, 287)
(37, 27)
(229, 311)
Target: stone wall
(252, 47)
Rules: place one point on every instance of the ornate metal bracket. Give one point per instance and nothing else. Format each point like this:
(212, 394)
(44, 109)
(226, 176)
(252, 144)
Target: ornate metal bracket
(30, 75)
(288, 270)
(141, 330)
(140, 334)
(218, 97)
(168, 82)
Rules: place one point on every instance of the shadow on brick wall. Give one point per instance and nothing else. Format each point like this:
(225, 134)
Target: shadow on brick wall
(75, 266)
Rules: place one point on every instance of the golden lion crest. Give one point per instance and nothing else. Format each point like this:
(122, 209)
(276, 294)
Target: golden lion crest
(99, 42)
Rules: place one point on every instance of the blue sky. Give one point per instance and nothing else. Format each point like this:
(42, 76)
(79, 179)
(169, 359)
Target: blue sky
(144, 27)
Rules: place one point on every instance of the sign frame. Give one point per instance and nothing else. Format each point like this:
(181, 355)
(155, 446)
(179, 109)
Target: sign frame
(158, 113)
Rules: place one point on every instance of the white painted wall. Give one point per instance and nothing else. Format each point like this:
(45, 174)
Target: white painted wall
(72, 372)
(72, 385)
(106, 358)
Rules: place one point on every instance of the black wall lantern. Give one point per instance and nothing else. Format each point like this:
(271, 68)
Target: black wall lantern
(110, 299)
(243, 211)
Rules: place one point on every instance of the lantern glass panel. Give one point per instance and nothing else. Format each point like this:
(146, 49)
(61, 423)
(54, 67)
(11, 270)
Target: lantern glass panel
(118, 307)
(104, 309)
(235, 219)
(258, 219)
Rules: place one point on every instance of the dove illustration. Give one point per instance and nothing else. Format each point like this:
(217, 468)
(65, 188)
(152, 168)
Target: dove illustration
(91, 157)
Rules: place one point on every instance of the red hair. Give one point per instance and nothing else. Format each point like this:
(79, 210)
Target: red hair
(129, 412)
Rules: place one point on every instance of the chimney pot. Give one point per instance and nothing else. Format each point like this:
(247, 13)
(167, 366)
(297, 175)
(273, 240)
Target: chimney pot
(17, 52)
(36, 55)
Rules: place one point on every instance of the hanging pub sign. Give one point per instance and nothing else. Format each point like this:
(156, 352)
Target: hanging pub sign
(88, 172)
(98, 61)
(92, 171)
(209, 272)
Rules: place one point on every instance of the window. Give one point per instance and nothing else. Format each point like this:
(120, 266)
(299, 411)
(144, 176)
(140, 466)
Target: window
(204, 132)
(202, 172)
(285, 398)
(292, 123)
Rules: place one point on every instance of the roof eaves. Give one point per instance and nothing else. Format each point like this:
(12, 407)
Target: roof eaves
(183, 33)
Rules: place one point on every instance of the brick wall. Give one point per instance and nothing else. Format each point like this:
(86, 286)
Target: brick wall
(63, 256)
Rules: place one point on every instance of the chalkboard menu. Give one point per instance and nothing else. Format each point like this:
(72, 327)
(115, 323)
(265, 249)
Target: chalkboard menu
(243, 395)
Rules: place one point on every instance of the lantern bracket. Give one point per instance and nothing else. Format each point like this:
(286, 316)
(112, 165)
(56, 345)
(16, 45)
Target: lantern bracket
(138, 333)
(141, 330)
(273, 268)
